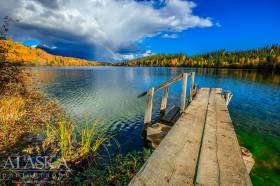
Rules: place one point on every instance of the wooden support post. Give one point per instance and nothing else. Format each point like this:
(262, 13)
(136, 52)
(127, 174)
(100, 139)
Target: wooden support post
(192, 87)
(228, 96)
(164, 101)
(184, 91)
(148, 115)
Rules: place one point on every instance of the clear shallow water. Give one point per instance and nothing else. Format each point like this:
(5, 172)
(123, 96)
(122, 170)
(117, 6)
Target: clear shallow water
(109, 95)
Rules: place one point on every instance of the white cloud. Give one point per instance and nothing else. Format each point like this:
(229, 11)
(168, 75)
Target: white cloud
(119, 57)
(112, 24)
(127, 57)
(169, 36)
(148, 53)
(50, 47)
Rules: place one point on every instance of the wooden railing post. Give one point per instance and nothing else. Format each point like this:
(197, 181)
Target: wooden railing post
(192, 87)
(164, 101)
(149, 106)
(184, 91)
(148, 114)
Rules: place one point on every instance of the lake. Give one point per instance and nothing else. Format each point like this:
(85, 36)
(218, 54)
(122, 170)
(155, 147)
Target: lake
(108, 96)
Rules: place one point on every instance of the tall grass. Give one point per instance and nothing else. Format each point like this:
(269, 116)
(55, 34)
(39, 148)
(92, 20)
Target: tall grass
(65, 132)
(74, 145)
(87, 135)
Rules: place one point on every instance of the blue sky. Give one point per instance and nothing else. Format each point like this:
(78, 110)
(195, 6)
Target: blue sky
(112, 30)
(239, 25)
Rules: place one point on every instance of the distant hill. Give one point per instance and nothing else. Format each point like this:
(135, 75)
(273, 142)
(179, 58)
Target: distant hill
(14, 52)
(268, 57)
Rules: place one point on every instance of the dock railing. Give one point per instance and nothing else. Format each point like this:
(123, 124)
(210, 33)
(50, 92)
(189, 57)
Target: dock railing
(165, 86)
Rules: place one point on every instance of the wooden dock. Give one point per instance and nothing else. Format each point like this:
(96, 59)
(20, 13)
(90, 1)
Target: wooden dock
(200, 147)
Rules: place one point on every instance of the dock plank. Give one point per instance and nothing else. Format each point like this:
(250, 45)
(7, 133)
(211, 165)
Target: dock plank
(174, 161)
(208, 168)
(231, 164)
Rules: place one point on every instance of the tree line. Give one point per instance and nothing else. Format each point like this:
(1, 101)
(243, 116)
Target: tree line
(267, 57)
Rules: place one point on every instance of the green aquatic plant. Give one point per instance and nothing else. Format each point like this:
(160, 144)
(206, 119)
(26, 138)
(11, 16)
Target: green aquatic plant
(87, 135)
(65, 132)
(61, 133)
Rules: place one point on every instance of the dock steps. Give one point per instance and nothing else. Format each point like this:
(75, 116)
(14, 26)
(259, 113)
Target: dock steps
(171, 116)
(156, 133)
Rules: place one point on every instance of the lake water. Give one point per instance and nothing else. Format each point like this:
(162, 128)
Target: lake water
(108, 95)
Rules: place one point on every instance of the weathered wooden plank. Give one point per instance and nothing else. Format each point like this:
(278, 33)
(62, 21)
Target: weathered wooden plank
(170, 114)
(174, 161)
(231, 165)
(220, 161)
(164, 101)
(184, 91)
(166, 84)
(208, 168)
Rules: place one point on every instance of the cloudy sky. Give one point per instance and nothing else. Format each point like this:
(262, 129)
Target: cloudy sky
(111, 30)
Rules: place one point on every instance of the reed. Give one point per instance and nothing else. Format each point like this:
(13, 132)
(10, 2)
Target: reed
(62, 136)
(87, 135)
(65, 132)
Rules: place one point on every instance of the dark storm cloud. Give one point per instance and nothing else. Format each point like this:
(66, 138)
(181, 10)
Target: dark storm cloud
(107, 28)
(55, 4)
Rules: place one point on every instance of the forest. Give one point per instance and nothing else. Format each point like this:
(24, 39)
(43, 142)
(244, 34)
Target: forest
(267, 57)
(16, 53)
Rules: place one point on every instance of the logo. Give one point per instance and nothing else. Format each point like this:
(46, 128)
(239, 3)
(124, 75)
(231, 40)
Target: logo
(34, 169)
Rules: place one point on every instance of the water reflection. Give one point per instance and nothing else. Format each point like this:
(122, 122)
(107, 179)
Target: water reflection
(248, 75)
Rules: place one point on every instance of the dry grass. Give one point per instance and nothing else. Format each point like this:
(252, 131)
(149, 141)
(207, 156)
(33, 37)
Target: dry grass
(11, 109)
(23, 111)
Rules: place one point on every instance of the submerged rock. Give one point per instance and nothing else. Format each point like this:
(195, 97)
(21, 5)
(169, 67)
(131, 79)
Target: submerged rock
(247, 158)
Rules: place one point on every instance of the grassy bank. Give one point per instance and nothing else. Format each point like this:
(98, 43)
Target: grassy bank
(23, 110)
